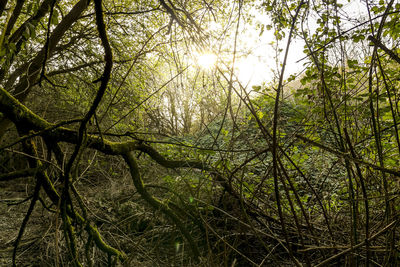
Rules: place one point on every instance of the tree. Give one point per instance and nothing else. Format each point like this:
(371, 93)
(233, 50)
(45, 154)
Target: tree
(100, 88)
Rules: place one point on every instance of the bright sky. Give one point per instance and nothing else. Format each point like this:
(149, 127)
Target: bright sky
(258, 65)
(255, 55)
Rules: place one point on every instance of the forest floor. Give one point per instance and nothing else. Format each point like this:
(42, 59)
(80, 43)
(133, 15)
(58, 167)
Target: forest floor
(12, 213)
(37, 245)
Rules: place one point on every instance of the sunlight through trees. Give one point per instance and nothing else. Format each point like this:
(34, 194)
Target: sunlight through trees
(199, 133)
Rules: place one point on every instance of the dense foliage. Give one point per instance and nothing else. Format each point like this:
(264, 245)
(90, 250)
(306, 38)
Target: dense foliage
(118, 148)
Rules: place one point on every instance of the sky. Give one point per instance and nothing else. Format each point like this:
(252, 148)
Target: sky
(256, 58)
(258, 66)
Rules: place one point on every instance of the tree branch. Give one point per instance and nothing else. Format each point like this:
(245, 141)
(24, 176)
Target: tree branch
(379, 44)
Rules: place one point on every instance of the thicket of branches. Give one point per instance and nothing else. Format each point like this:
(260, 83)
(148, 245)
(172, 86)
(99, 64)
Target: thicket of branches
(133, 155)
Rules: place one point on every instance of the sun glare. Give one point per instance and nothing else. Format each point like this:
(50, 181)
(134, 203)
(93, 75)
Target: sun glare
(250, 70)
(206, 60)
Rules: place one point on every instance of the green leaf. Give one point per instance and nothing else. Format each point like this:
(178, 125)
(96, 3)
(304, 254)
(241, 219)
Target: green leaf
(54, 17)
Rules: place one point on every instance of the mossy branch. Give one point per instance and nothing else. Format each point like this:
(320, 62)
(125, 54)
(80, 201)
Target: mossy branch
(158, 205)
